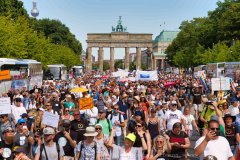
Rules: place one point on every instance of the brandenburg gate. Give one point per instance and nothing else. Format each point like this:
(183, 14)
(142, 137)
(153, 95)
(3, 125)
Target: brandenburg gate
(118, 38)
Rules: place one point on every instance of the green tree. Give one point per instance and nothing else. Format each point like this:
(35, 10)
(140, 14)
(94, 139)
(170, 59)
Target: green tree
(58, 33)
(106, 66)
(132, 66)
(118, 64)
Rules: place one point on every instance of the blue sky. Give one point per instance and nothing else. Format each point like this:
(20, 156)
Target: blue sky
(139, 16)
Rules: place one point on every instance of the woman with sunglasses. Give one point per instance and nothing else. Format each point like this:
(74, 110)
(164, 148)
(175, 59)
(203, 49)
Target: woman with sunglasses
(102, 141)
(161, 146)
(143, 139)
(67, 115)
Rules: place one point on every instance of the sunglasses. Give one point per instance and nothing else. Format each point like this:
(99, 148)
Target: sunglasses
(138, 125)
(159, 141)
(48, 105)
(66, 110)
(76, 114)
(174, 105)
(214, 129)
(36, 136)
(21, 123)
(98, 129)
(7, 131)
(116, 109)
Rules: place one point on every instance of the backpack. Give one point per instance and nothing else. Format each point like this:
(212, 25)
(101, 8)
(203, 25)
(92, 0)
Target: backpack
(42, 147)
(108, 121)
(95, 149)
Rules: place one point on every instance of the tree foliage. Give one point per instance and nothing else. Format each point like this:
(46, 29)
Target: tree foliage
(48, 41)
(208, 39)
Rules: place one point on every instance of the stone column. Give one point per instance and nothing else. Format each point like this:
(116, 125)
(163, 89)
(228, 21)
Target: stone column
(89, 59)
(138, 58)
(100, 59)
(162, 63)
(127, 58)
(112, 59)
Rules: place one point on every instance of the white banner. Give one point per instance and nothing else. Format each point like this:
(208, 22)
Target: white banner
(5, 105)
(220, 84)
(120, 73)
(50, 119)
(146, 75)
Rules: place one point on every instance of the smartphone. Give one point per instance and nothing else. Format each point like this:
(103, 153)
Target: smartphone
(24, 127)
(209, 103)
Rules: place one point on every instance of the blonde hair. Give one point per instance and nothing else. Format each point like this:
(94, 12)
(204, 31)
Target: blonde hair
(165, 148)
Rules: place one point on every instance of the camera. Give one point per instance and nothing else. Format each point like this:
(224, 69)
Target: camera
(209, 103)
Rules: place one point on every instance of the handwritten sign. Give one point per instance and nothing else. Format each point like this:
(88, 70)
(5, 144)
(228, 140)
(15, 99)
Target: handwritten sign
(5, 105)
(50, 119)
(219, 84)
(85, 103)
(5, 74)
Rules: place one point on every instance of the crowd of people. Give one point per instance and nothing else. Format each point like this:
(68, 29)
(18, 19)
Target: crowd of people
(130, 120)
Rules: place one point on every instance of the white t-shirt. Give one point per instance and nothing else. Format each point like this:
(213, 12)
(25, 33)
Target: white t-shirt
(188, 120)
(219, 148)
(172, 117)
(93, 115)
(115, 118)
(17, 112)
(118, 153)
(233, 110)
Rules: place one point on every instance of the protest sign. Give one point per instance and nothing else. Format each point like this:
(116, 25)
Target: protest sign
(5, 105)
(146, 75)
(220, 84)
(85, 103)
(50, 119)
(4, 75)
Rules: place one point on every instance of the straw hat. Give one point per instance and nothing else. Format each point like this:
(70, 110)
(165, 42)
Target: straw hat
(90, 132)
(124, 95)
(137, 98)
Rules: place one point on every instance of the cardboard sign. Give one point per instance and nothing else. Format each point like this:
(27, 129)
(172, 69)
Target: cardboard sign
(146, 75)
(50, 119)
(5, 105)
(4, 75)
(220, 84)
(85, 103)
(98, 83)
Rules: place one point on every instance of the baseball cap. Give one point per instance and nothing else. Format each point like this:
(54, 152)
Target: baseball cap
(173, 102)
(18, 149)
(234, 99)
(131, 137)
(40, 109)
(48, 130)
(24, 115)
(21, 120)
(18, 99)
(101, 111)
(214, 118)
(138, 113)
(7, 129)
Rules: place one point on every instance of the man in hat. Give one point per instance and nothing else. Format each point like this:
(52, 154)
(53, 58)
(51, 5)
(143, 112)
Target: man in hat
(231, 132)
(17, 109)
(234, 107)
(213, 144)
(6, 141)
(49, 150)
(23, 136)
(66, 139)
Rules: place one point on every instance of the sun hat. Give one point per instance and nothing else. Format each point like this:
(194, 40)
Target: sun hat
(137, 98)
(98, 124)
(48, 131)
(24, 115)
(229, 115)
(124, 95)
(90, 132)
(131, 137)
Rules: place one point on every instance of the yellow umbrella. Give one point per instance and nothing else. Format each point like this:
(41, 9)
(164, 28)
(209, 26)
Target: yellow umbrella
(77, 90)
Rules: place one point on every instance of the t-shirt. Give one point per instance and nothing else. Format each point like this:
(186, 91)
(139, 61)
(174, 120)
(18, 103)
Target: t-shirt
(56, 106)
(207, 115)
(105, 126)
(69, 105)
(219, 148)
(51, 152)
(17, 112)
(22, 140)
(79, 127)
(118, 153)
(172, 117)
(4, 145)
(64, 142)
(181, 99)
(179, 139)
(197, 98)
(118, 131)
(188, 119)
(231, 132)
